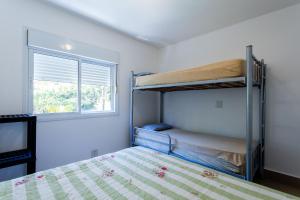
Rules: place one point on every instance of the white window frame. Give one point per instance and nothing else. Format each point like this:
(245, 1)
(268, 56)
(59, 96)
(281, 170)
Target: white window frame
(78, 113)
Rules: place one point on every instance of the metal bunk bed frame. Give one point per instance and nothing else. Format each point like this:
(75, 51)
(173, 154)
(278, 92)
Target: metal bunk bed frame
(254, 67)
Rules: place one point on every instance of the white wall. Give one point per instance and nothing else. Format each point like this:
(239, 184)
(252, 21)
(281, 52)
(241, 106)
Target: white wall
(61, 142)
(275, 37)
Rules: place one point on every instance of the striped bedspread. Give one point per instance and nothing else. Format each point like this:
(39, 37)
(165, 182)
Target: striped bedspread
(134, 173)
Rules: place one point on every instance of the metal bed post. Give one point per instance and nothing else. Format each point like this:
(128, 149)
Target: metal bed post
(264, 114)
(161, 116)
(131, 128)
(262, 99)
(161, 107)
(249, 112)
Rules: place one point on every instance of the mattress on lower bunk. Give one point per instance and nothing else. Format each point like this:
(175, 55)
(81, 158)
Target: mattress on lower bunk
(219, 151)
(219, 70)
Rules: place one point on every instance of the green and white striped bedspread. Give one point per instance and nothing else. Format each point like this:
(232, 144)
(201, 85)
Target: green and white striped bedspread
(134, 173)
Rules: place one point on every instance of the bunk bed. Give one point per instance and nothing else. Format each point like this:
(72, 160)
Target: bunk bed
(238, 73)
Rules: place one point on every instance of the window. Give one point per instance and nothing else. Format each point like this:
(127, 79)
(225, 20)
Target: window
(95, 88)
(63, 83)
(55, 84)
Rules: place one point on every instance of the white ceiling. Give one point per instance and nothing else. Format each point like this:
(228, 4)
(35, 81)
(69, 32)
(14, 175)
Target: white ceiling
(164, 22)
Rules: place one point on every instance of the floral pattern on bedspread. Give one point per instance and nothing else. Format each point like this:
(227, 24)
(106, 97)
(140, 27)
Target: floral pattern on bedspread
(133, 173)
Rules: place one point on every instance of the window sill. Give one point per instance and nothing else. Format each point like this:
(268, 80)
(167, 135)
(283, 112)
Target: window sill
(73, 116)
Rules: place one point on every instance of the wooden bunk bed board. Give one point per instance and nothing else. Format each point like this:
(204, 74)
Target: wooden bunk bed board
(214, 71)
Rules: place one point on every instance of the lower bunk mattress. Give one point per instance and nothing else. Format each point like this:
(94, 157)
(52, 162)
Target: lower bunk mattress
(219, 151)
(134, 173)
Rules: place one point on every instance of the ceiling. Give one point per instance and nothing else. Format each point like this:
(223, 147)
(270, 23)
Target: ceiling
(165, 22)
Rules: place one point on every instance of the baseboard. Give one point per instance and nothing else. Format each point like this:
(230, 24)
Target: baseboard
(283, 178)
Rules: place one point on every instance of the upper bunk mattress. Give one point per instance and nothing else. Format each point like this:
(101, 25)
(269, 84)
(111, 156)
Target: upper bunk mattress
(218, 70)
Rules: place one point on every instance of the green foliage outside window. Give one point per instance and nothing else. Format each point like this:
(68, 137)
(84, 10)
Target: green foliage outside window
(54, 97)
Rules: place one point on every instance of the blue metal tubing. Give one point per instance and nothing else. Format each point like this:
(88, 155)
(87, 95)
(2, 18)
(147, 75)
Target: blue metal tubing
(249, 113)
(131, 128)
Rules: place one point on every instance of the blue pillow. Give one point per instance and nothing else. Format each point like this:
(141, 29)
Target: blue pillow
(157, 127)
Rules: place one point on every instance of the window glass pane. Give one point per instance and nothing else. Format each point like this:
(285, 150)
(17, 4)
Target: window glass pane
(55, 84)
(96, 88)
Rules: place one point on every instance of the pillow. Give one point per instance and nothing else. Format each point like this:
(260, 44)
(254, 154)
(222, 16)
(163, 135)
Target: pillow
(157, 127)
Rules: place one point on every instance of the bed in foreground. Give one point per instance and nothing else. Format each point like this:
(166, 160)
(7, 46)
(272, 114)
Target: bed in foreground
(134, 173)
